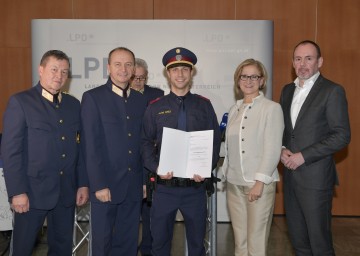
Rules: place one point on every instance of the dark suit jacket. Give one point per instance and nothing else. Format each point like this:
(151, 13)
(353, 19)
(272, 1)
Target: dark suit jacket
(322, 128)
(40, 149)
(152, 93)
(111, 128)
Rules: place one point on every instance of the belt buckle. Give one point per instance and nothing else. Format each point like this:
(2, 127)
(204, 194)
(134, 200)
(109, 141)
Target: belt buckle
(179, 182)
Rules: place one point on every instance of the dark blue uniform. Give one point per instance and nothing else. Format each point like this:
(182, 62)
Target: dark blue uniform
(151, 93)
(111, 136)
(190, 200)
(40, 149)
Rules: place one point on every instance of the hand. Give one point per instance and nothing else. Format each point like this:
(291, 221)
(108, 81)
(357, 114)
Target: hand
(285, 155)
(103, 195)
(198, 178)
(294, 161)
(20, 203)
(167, 176)
(256, 191)
(82, 196)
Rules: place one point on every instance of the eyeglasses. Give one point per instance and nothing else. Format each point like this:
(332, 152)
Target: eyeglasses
(252, 77)
(139, 78)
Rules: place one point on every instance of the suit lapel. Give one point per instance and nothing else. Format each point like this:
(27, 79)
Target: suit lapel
(287, 105)
(309, 99)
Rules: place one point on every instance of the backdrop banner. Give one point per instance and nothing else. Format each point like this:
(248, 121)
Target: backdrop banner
(220, 46)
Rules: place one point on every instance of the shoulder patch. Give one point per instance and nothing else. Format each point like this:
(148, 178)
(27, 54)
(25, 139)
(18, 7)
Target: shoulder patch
(202, 97)
(153, 101)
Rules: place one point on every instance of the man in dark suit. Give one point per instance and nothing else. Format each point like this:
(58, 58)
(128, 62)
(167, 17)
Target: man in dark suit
(40, 149)
(316, 127)
(150, 93)
(112, 119)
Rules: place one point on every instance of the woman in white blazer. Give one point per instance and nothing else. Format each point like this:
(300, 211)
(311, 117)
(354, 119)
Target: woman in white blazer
(252, 152)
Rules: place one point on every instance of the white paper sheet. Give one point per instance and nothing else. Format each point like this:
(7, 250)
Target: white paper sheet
(186, 153)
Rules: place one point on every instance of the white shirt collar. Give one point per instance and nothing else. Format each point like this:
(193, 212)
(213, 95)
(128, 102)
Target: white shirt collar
(309, 82)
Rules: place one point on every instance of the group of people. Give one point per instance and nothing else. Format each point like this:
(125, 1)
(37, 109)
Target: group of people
(59, 153)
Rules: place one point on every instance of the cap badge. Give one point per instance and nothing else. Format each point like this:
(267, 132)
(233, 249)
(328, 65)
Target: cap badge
(178, 51)
(178, 57)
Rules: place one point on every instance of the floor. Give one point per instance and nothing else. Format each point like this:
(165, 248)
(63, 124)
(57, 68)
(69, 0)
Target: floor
(346, 234)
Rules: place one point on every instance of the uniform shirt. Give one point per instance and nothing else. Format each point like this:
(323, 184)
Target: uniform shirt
(163, 112)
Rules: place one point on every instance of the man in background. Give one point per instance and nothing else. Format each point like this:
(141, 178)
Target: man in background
(139, 83)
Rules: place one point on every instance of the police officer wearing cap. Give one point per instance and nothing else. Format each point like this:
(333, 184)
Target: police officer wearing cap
(180, 109)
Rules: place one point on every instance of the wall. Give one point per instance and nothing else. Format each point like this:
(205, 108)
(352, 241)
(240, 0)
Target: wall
(333, 24)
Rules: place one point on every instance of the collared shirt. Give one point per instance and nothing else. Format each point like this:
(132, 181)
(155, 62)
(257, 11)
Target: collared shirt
(300, 95)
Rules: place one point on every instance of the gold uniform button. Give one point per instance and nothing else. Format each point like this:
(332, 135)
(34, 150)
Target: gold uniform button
(63, 138)
(63, 155)
(61, 172)
(129, 134)
(57, 106)
(61, 121)
(129, 169)
(127, 117)
(130, 152)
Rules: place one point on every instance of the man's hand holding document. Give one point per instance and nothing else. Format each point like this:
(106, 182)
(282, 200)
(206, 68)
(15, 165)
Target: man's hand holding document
(186, 153)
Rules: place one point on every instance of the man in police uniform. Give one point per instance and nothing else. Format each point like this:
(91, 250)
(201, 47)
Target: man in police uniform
(40, 149)
(172, 193)
(150, 93)
(112, 116)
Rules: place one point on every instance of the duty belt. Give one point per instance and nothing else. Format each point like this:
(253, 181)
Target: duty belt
(178, 182)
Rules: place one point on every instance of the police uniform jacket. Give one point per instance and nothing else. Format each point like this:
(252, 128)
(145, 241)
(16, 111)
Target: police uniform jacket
(112, 135)
(40, 149)
(163, 112)
(152, 93)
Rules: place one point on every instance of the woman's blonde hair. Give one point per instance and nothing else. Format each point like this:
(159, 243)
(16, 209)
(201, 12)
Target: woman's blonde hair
(249, 62)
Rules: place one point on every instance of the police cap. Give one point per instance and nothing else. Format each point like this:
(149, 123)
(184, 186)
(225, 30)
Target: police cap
(179, 57)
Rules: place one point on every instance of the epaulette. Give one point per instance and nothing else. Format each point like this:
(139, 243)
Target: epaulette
(202, 97)
(67, 93)
(153, 101)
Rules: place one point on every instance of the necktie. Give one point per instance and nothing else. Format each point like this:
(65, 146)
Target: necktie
(124, 91)
(56, 98)
(182, 114)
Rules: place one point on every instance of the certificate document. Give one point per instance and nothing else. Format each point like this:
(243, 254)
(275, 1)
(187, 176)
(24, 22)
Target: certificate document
(186, 153)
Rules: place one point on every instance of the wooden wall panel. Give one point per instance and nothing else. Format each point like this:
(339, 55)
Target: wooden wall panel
(194, 9)
(110, 9)
(339, 36)
(333, 24)
(15, 73)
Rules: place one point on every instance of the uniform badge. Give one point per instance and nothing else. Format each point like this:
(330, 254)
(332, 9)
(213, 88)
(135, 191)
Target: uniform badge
(78, 137)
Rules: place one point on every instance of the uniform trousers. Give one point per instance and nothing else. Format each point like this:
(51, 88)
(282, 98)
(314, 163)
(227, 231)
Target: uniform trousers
(60, 224)
(308, 216)
(146, 239)
(192, 203)
(114, 228)
(251, 221)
